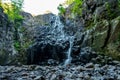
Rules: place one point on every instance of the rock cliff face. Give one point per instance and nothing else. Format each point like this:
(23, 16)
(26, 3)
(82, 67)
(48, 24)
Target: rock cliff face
(97, 27)
(57, 44)
(100, 21)
(50, 39)
(48, 46)
(8, 52)
(6, 40)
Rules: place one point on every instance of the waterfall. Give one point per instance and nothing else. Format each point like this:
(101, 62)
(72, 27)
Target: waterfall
(69, 58)
(56, 42)
(59, 34)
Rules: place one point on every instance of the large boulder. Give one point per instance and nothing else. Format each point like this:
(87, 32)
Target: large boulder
(115, 28)
(113, 47)
(100, 35)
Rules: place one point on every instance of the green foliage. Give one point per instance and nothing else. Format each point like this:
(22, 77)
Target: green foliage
(13, 9)
(0, 3)
(61, 9)
(108, 9)
(119, 3)
(110, 13)
(77, 7)
(68, 2)
(15, 12)
(17, 45)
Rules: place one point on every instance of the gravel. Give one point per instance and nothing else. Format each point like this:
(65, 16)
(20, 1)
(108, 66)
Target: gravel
(88, 71)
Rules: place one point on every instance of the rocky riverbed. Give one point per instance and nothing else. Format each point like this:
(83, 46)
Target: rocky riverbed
(89, 71)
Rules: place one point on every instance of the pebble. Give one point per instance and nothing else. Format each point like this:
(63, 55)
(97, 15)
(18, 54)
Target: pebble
(89, 65)
(24, 74)
(38, 78)
(81, 75)
(116, 62)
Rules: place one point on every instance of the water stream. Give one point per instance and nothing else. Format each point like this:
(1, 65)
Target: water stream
(59, 34)
(69, 58)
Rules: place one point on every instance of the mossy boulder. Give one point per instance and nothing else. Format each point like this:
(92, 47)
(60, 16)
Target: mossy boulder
(115, 30)
(105, 37)
(100, 34)
(113, 47)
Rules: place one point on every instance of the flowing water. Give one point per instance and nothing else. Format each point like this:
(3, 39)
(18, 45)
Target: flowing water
(56, 42)
(59, 34)
(69, 58)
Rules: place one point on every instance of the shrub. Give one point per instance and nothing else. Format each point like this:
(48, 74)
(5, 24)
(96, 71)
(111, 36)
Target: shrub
(61, 9)
(13, 10)
(76, 6)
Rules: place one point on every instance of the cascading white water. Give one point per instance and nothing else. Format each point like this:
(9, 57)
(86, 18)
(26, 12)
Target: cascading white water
(69, 58)
(58, 31)
(59, 34)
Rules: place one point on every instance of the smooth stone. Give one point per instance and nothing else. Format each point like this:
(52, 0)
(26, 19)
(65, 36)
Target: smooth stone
(118, 77)
(116, 62)
(89, 65)
(53, 77)
(39, 78)
(81, 75)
